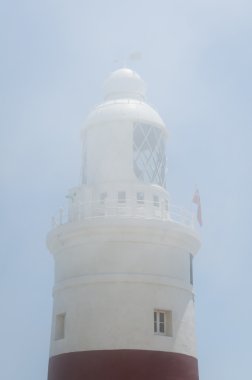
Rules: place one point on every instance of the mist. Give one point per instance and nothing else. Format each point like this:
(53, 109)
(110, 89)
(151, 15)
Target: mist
(196, 62)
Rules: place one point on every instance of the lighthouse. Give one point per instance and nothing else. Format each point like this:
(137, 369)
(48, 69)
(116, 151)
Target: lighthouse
(123, 301)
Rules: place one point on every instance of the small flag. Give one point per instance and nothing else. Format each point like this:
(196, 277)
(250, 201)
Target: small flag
(196, 200)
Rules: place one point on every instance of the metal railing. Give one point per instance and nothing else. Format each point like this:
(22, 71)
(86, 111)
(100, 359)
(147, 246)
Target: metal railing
(126, 209)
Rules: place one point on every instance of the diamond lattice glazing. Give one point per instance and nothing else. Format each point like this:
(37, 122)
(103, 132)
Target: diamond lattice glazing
(149, 154)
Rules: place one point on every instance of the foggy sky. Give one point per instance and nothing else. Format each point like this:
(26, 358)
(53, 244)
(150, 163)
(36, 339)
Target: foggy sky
(55, 56)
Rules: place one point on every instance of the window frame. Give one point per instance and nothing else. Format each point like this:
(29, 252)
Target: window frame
(60, 326)
(162, 322)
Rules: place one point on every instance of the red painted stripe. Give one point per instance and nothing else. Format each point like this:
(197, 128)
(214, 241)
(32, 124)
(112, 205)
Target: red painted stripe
(123, 365)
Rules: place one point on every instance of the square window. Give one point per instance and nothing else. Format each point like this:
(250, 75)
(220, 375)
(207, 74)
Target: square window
(60, 326)
(140, 198)
(121, 197)
(163, 322)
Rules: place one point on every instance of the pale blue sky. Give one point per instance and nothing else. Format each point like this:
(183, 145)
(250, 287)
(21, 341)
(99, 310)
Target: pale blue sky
(197, 59)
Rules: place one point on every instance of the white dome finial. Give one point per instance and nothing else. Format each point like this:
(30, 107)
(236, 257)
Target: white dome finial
(124, 83)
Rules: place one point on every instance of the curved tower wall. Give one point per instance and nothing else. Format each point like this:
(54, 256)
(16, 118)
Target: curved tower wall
(123, 298)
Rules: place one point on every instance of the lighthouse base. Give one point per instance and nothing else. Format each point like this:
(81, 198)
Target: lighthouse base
(123, 365)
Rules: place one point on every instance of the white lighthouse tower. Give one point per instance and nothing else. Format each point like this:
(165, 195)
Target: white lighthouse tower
(123, 298)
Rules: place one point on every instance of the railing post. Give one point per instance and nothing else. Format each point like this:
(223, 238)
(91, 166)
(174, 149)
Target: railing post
(111, 208)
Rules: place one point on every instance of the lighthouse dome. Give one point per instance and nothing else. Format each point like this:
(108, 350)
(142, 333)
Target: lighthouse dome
(124, 95)
(124, 83)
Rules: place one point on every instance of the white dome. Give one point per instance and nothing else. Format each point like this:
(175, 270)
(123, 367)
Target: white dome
(124, 83)
(125, 109)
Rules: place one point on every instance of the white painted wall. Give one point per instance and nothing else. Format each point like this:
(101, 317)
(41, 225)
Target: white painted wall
(111, 273)
(110, 278)
(109, 137)
(118, 314)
